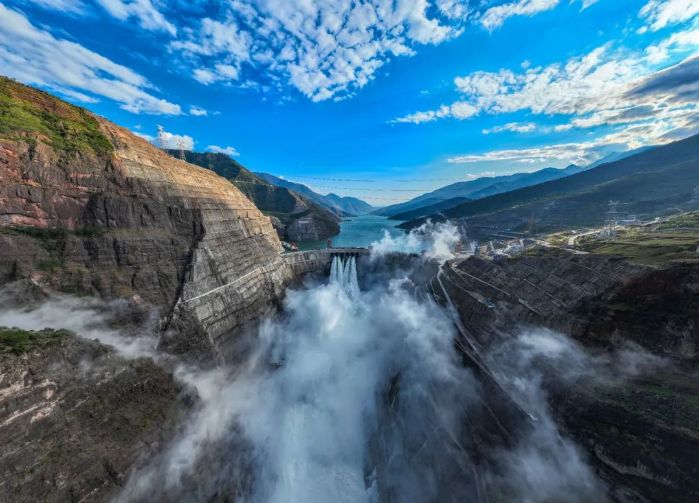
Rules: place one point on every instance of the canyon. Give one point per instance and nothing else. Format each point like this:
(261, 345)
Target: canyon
(173, 303)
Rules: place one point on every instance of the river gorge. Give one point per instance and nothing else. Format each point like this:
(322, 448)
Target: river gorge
(158, 344)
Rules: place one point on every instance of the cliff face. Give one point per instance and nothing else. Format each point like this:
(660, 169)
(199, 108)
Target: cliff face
(72, 420)
(87, 207)
(296, 216)
(642, 435)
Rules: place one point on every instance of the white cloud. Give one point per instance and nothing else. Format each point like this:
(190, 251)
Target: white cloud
(198, 111)
(654, 132)
(70, 6)
(34, 56)
(229, 151)
(496, 16)
(148, 16)
(681, 41)
(172, 141)
(661, 13)
(619, 89)
(484, 174)
(516, 127)
(323, 49)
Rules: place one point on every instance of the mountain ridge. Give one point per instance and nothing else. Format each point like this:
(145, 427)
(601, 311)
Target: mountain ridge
(476, 189)
(295, 216)
(647, 183)
(342, 205)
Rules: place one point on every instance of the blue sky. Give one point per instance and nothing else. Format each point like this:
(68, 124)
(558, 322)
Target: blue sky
(381, 99)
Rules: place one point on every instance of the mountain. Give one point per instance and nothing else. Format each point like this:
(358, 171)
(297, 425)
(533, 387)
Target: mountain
(618, 156)
(343, 206)
(87, 207)
(431, 209)
(654, 182)
(295, 216)
(476, 189)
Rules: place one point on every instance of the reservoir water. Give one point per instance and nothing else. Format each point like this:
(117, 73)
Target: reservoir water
(359, 231)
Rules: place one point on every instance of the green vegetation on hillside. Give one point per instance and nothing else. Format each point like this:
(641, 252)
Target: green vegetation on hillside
(676, 240)
(26, 113)
(17, 341)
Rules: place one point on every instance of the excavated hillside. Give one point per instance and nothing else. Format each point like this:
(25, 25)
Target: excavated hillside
(86, 207)
(641, 436)
(295, 217)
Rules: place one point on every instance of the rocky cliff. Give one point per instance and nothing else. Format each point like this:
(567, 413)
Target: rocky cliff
(295, 217)
(87, 207)
(641, 435)
(72, 417)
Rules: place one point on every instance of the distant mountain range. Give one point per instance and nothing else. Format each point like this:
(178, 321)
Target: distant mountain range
(342, 206)
(656, 181)
(295, 216)
(454, 194)
(458, 193)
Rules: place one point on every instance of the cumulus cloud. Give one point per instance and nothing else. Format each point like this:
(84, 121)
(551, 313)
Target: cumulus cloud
(229, 151)
(169, 140)
(198, 111)
(677, 83)
(324, 50)
(605, 87)
(661, 13)
(34, 56)
(496, 16)
(147, 15)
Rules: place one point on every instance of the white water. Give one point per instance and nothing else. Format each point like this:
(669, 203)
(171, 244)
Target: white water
(344, 274)
(307, 417)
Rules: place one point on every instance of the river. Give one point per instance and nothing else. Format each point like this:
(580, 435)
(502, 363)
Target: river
(358, 231)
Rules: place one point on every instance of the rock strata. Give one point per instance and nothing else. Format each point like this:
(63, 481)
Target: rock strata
(111, 215)
(641, 434)
(72, 419)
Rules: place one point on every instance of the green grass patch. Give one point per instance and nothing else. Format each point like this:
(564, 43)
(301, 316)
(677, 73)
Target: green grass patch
(26, 112)
(647, 247)
(17, 341)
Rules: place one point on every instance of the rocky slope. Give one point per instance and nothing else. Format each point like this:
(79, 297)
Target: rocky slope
(295, 216)
(72, 417)
(87, 207)
(641, 435)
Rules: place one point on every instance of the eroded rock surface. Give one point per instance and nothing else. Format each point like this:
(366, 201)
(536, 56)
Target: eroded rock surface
(75, 418)
(641, 434)
(109, 214)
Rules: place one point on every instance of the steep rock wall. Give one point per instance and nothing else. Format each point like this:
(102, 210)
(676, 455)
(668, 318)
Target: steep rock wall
(641, 435)
(109, 214)
(72, 419)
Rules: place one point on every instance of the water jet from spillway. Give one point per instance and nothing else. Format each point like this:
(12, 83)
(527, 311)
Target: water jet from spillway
(344, 274)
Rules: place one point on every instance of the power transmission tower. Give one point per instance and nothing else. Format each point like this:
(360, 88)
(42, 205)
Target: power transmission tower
(161, 137)
(612, 219)
(695, 195)
(180, 145)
